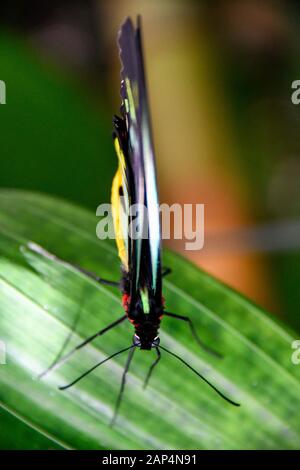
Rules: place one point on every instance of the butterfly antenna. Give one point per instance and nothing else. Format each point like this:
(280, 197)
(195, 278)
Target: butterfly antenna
(60, 360)
(122, 388)
(201, 376)
(64, 387)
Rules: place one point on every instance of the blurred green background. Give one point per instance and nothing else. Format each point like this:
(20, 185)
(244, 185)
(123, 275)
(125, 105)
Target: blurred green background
(225, 130)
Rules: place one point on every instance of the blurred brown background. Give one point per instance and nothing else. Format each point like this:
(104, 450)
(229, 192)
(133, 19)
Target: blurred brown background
(226, 133)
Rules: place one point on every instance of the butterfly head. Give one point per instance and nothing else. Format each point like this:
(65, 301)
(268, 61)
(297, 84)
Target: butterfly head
(145, 340)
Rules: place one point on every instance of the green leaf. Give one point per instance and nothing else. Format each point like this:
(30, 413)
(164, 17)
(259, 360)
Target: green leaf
(41, 300)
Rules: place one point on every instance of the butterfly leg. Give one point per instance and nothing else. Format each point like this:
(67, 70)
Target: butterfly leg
(121, 392)
(82, 344)
(166, 271)
(194, 333)
(152, 367)
(41, 251)
(96, 278)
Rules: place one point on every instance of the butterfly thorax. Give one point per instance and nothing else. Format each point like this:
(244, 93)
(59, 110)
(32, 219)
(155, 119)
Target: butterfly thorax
(144, 311)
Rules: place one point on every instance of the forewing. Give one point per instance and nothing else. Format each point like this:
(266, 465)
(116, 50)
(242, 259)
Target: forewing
(146, 253)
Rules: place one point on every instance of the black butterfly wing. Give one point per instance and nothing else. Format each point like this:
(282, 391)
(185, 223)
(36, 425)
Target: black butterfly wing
(145, 265)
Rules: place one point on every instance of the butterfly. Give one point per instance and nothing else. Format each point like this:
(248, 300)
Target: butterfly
(137, 231)
(135, 185)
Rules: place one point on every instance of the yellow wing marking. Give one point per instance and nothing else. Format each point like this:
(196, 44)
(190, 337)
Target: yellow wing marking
(118, 210)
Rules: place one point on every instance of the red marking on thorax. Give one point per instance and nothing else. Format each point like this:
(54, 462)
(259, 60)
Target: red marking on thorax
(163, 302)
(126, 302)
